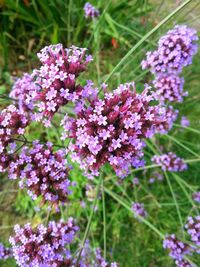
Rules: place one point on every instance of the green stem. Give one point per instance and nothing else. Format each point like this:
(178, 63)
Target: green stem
(90, 221)
(104, 219)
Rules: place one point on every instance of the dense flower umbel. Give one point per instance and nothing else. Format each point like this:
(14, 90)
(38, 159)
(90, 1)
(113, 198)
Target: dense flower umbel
(24, 91)
(193, 229)
(12, 124)
(169, 88)
(90, 11)
(57, 77)
(175, 51)
(44, 246)
(5, 253)
(170, 162)
(138, 209)
(196, 196)
(43, 172)
(111, 130)
(177, 249)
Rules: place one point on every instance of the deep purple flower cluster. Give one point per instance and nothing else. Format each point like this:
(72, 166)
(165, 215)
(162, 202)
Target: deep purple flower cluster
(196, 196)
(138, 210)
(170, 162)
(57, 77)
(24, 91)
(169, 87)
(90, 11)
(44, 246)
(193, 229)
(43, 172)
(185, 122)
(175, 51)
(12, 124)
(5, 253)
(111, 129)
(177, 249)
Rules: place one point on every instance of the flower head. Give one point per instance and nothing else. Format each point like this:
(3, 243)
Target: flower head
(177, 249)
(185, 122)
(111, 130)
(24, 91)
(44, 245)
(5, 253)
(90, 11)
(175, 51)
(193, 229)
(169, 87)
(42, 172)
(170, 162)
(138, 209)
(57, 77)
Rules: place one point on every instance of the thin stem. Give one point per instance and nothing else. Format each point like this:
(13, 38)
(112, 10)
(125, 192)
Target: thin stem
(89, 222)
(175, 201)
(104, 219)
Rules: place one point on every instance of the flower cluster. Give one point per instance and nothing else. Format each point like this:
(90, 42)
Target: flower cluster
(170, 162)
(193, 229)
(177, 249)
(24, 91)
(43, 172)
(12, 124)
(196, 196)
(138, 210)
(5, 253)
(93, 258)
(45, 245)
(185, 122)
(90, 11)
(169, 87)
(170, 115)
(183, 263)
(175, 51)
(111, 129)
(57, 78)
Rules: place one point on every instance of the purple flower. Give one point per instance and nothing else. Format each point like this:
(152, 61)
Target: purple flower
(12, 124)
(175, 51)
(196, 196)
(90, 11)
(57, 78)
(177, 249)
(44, 245)
(24, 91)
(42, 172)
(193, 229)
(183, 263)
(185, 122)
(5, 253)
(102, 133)
(169, 87)
(138, 209)
(170, 162)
